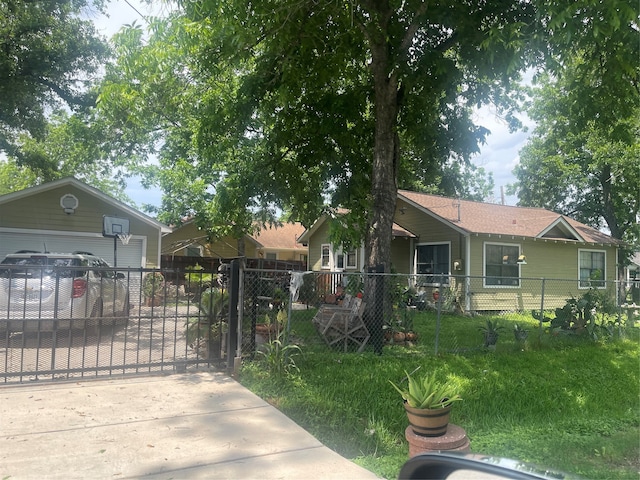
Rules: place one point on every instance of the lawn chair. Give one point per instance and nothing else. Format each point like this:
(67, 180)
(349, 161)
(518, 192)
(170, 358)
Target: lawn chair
(343, 325)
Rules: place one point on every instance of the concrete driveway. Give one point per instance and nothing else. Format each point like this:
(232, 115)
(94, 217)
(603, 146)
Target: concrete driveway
(192, 425)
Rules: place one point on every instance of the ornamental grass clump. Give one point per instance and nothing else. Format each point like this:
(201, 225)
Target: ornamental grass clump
(427, 392)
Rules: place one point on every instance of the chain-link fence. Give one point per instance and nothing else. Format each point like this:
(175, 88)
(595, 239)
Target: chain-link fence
(64, 322)
(371, 311)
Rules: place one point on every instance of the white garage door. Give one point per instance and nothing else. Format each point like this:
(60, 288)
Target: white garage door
(130, 255)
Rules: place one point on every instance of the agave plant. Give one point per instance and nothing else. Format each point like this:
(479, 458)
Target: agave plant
(427, 392)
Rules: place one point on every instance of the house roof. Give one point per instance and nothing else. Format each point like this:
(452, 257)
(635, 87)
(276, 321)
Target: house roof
(397, 230)
(470, 217)
(281, 237)
(73, 182)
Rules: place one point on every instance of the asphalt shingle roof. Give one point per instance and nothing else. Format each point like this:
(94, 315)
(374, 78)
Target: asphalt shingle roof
(490, 218)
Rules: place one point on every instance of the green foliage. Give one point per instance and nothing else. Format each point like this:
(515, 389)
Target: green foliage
(427, 392)
(14, 177)
(214, 303)
(153, 284)
(50, 54)
(195, 277)
(581, 159)
(582, 312)
(549, 403)
(278, 358)
(491, 327)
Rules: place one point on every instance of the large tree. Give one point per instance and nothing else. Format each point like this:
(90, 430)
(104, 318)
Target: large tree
(347, 99)
(583, 158)
(49, 55)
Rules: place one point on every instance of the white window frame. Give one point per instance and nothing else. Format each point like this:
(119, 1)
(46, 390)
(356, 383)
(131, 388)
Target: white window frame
(271, 255)
(484, 265)
(327, 265)
(420, 276)
(588, 283)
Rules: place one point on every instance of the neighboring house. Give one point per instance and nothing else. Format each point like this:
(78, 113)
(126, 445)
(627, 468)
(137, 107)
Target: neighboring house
(270, 243)
(323, 256)
(484, 251)
(632, 271)
(67, 215)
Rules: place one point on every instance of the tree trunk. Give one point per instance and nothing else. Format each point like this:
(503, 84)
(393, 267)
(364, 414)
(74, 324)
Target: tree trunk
(384, 185)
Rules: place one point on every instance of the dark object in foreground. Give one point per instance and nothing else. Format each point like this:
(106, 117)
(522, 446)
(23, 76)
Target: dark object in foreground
(443, 465)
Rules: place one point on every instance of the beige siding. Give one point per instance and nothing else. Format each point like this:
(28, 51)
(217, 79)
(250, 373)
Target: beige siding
(320, 237)
(430, 230)
(226, 247)
(401, 260)
(43, 212)
(549, 259)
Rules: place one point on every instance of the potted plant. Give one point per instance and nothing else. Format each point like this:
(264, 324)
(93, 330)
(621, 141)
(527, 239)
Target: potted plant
(520, 333)
(491, 331)
(152, 287)
(428, 404)
(208, 329)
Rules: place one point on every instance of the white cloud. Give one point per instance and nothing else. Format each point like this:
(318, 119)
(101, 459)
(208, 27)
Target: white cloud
(500, 154)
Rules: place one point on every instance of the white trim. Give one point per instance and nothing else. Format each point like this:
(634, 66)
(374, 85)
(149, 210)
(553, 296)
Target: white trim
(415, 261)
(565, 226)
(61, 233)
(484, 264)
(322, 246)
(604, 273)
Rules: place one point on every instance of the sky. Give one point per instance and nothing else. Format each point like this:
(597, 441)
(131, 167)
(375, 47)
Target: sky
(499, 155)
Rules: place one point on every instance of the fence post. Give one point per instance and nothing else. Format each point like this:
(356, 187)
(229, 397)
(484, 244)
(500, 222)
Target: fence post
(375, 312)
(234, 287)
(541, 307)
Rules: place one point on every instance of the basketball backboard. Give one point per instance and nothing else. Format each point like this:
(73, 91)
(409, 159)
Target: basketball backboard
(114, 226)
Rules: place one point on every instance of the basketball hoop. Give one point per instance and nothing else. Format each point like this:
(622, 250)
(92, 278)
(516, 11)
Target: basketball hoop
(124, 238)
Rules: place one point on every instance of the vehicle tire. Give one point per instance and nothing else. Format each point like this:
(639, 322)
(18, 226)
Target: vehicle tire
(126, 309)
(96, 315)
(123, 316)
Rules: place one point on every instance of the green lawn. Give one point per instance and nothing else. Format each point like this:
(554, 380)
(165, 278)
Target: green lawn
(565, 402)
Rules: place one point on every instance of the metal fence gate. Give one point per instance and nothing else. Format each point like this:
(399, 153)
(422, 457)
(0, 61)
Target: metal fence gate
(179, 319)
(166, 330)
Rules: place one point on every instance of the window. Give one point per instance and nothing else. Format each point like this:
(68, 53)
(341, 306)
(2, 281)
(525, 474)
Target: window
(193, 251)
(352, 259)
(591, 265)
(325, 255)
(271, 256)
(432, 263)
(340, 261)
(501, 265)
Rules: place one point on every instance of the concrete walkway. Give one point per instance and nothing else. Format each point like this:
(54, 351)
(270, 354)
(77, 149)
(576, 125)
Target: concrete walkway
(193, 425)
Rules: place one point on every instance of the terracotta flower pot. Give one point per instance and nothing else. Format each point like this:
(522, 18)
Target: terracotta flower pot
(398, 337)
(428, 422)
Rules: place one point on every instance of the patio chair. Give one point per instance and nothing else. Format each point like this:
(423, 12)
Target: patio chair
(343, 325)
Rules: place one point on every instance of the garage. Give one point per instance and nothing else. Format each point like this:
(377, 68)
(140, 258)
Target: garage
(68, 215)
(131, 255)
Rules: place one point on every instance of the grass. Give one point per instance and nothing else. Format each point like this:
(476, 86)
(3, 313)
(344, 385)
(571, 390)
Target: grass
(564, 402)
